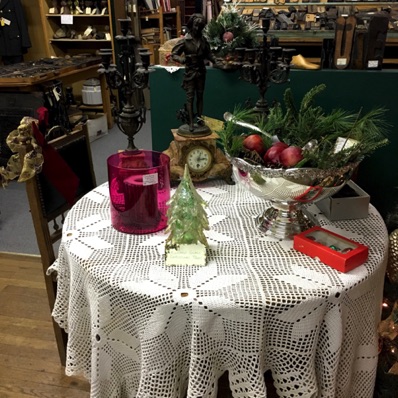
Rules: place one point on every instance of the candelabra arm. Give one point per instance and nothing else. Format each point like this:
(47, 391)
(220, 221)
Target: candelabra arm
(129, 78)
(264, 65)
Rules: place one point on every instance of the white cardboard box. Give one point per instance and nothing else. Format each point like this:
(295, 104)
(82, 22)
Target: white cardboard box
(340, 207)
(97, 126)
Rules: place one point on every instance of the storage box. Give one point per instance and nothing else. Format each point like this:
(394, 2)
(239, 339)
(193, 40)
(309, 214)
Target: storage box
(97, 126)
(350, 203)
(332, 249)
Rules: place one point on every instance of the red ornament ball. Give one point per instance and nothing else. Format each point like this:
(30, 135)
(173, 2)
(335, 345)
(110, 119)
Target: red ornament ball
(228, 37)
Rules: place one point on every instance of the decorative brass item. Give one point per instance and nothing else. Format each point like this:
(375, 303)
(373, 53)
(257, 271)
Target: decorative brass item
(192, 51)
(130, 79)
(265, 65)
(202, 156)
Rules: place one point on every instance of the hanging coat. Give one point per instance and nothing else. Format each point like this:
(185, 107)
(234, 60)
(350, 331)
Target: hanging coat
(14, 36)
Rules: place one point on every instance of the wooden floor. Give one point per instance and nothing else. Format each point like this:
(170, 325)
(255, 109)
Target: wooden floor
(29, 362)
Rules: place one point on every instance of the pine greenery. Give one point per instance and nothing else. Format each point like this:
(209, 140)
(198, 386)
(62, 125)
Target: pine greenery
(231, 136)
(229, 20)
(297, 125)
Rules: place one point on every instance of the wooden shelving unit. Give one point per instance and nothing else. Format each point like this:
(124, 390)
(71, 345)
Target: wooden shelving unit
(45, 24)
(59, 47)
(189, 8)
(309, 42)
(152, 29)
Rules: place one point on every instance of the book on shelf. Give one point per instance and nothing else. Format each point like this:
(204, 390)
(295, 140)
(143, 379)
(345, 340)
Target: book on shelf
(167, 33)
(148, 4)
(165, 4)
(150, 40)
(154, 5)
(151, 35)
(149, 31)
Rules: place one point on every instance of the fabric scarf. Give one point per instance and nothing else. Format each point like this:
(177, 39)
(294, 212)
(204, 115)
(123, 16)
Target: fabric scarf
(56, 170)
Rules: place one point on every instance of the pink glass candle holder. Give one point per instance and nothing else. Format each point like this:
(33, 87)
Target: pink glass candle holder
(139, 187)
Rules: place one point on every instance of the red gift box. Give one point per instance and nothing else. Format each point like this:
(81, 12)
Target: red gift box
(332, 249)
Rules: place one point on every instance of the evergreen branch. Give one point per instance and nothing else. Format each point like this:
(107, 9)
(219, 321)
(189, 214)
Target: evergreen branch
(298, 127)
(291, 110)
(308, 98)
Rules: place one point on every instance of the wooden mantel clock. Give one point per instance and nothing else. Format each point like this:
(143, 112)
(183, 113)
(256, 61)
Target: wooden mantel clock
(200, 153)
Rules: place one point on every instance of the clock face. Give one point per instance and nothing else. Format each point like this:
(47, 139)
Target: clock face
(199, 159)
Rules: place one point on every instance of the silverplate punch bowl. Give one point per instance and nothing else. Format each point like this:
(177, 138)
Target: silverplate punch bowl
(289, 191)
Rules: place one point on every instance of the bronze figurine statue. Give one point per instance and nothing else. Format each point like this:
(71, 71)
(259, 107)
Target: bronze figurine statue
(192, 51)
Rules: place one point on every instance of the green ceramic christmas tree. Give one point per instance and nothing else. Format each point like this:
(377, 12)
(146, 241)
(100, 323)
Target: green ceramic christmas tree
(187, 220)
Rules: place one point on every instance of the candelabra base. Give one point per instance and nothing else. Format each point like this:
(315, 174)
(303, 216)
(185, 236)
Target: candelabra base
(198, 131)
(261, 106)
(130, 122)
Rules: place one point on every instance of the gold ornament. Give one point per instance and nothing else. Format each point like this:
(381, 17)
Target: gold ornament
(392, 266)
(19, 140)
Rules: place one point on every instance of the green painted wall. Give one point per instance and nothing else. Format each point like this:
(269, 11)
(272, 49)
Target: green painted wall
(351, 90)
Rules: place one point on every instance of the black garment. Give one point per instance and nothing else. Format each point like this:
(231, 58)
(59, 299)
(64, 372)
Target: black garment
(11, 60)
(196, 53)
(14, 38)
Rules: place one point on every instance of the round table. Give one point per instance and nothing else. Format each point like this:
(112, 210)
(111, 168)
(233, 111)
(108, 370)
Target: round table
(138, 328)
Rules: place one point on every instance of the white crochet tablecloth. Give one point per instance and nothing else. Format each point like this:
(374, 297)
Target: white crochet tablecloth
(140, 329)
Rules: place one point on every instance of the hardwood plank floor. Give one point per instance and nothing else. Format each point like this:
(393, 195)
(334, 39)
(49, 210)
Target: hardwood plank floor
(29, 359)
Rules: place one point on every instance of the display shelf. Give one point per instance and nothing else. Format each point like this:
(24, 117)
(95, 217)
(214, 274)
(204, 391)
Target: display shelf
(188, 7)
(318, 35)
(158, 27)
(308, 31)
(320, 3)
(79, 41)
(79, 15)
(161, 20)
(63, 48)
(59, 47)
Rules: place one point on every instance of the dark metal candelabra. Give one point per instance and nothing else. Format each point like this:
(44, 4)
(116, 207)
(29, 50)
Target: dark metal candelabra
(264, 65)
(130, 79)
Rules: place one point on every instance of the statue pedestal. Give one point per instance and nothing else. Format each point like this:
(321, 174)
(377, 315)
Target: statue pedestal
(204, 159)
(198, 131)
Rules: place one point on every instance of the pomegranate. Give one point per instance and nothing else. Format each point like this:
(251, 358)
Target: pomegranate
(254, 142)
(290, 156)
(273, 153)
